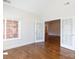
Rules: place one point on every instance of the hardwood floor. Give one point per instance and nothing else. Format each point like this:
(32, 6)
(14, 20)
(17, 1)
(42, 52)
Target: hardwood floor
(48, 50)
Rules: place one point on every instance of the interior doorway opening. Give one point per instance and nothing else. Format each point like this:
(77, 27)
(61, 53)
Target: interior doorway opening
(52, 31)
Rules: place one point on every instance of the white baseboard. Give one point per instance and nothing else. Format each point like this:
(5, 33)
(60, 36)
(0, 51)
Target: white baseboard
(16, 45)
(68, 47)
(5, 53)
(39, 40)
(20, 44)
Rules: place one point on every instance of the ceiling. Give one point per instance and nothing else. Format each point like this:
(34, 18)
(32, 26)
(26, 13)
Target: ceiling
(34, 6)
(51, 8)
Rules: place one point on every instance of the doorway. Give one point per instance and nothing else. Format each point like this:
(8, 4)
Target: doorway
(52, 31)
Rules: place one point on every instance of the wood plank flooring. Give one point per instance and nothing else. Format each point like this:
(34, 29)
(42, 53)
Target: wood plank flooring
(48, 50)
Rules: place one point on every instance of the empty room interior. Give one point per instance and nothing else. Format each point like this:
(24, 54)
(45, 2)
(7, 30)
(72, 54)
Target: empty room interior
(38, 29)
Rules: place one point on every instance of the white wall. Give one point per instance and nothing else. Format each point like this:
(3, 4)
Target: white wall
(27, 26)
(39, 30)
(68, 33)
